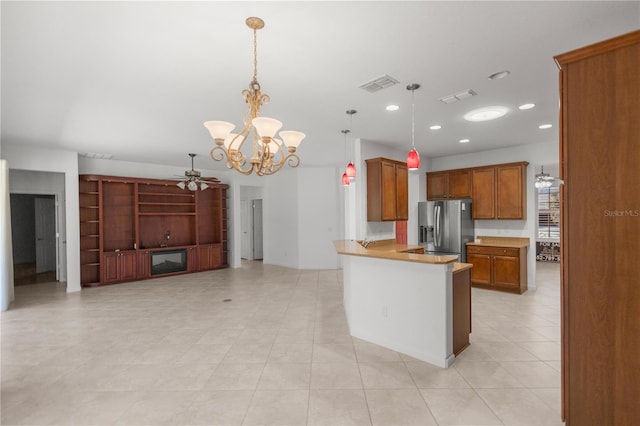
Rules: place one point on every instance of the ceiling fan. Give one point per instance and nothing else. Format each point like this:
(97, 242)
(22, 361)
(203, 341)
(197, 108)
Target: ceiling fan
(192, 180)
(544, 180)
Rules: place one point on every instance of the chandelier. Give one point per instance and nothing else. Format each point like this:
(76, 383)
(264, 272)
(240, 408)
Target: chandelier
(543, 180)
(262, 153)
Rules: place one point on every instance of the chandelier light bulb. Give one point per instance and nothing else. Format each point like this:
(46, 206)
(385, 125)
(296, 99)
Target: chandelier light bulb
(219, 130)
(291, 138)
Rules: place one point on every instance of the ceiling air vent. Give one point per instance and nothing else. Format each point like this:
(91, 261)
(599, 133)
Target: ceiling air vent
(379, 83)
(449, 99)
(96, 155)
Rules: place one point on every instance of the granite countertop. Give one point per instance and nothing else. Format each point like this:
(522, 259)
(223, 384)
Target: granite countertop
(459, 267)
(388, 249)
(489, 241)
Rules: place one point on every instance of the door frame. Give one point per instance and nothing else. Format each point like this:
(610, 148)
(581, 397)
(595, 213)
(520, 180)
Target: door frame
(57, 196)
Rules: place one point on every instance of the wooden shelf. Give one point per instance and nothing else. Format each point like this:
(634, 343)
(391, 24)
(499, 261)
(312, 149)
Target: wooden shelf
(166, 214)
(148, 203)
(124, 213)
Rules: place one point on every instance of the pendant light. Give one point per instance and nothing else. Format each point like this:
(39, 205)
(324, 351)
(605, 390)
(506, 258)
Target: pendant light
(351, 168)
(345, 177)
(413, 158)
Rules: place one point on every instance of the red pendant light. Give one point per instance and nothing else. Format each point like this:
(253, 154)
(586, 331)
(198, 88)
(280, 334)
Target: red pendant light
(413, 158)
(345, 180)
(351, 171)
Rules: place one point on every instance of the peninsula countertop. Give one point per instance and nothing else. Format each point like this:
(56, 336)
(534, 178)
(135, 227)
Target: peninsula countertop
(487, 241)
(389, 249)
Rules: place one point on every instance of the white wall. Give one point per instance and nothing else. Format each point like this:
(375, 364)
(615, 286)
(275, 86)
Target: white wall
(318, 213)
(537, 155)
(280, 209)
(30, 158)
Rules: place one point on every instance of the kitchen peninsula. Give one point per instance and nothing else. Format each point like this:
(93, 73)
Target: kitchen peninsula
(416, 304)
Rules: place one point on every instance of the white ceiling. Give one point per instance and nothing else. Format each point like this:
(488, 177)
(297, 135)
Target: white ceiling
(138, 79)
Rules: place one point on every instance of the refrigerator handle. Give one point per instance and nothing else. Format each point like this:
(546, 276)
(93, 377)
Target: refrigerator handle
(437, 224)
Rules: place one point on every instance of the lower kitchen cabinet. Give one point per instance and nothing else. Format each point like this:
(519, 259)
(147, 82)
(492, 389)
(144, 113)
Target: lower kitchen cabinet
(498, 268)
(119, 266)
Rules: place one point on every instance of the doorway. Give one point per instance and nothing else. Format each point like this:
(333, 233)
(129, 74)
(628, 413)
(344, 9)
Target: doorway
(34, 237)
(251, 228)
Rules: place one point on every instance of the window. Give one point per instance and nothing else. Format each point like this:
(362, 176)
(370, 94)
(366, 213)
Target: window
(549, 213)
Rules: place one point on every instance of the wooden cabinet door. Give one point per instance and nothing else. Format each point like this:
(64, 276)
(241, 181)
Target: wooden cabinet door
(510, 197)
(460, 184)
(483, 188)
(204, 257)
(389, 192)
(110, 267)
(506, 272)
(127, 266)
(144, 264)
(192, 259)
(437, 185)
(481, 271)
(402, 192)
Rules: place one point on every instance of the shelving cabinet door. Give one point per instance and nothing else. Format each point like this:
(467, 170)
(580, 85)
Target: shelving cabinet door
(484, 197)
(144, 264)
(128, 266)
(110, 267)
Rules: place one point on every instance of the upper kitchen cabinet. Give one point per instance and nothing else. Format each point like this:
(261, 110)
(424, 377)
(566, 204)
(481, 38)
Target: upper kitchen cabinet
(449, 184)
(499, 192)
(387, 190)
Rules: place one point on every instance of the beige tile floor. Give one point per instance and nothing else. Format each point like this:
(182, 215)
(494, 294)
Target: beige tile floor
(172, 351)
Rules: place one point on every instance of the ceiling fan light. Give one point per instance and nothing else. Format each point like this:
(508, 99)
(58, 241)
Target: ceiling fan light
(192, 186)
(180, 185)
(219, 130)
(413, 160)
(266, 127)
(203, 186)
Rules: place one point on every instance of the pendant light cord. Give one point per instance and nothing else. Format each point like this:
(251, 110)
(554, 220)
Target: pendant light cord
(413, 119)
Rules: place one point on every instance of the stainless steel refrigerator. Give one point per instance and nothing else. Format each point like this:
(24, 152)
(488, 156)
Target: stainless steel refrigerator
(445, 227)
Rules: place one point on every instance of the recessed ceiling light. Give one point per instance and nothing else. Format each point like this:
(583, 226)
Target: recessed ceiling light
(464, 140)
(486, 113)
(526, 106)
(435, 127)
(545, 126)
(498, 75)
(392, 107)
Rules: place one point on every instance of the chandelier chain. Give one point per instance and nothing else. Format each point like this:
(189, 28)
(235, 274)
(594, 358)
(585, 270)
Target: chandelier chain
(255, 55)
